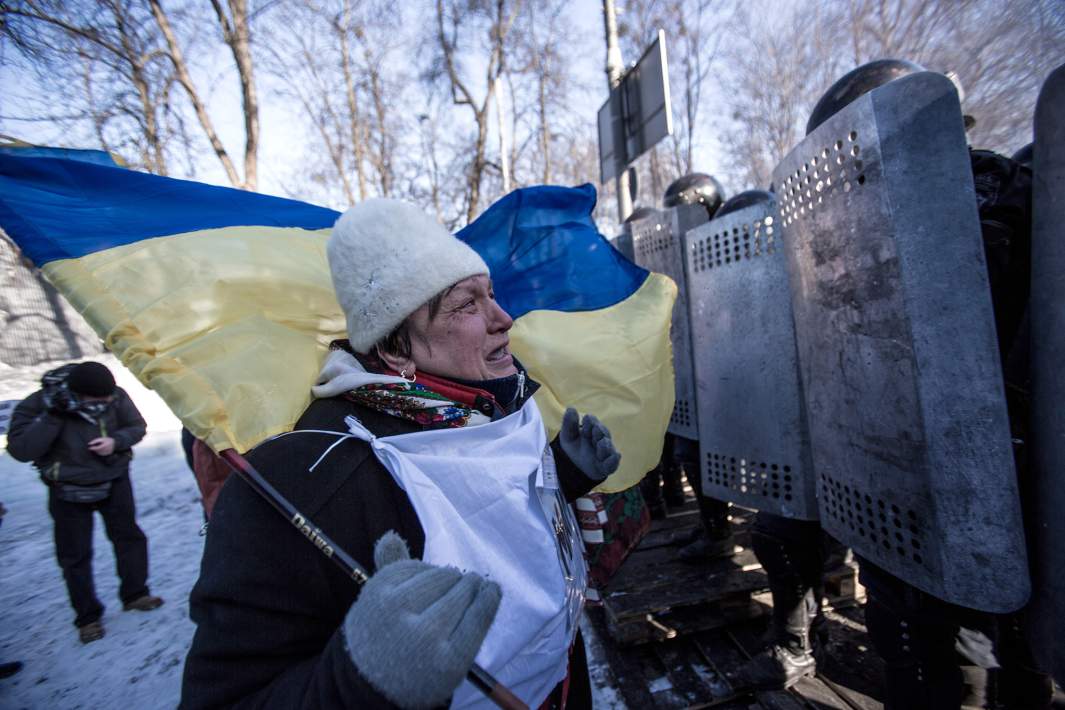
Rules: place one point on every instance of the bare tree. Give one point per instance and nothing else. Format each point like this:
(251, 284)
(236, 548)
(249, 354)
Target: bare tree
(107, 49)
(126, 57)
(337, 61)
(776, 74)
(236, 34)
(497, 17)
(774, 77)
(543, 90)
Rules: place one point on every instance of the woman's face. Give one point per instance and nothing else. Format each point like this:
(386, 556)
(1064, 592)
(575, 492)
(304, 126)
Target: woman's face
(468, 338)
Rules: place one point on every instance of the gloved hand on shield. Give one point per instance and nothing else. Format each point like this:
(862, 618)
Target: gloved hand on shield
(587, 443)
(415, 629)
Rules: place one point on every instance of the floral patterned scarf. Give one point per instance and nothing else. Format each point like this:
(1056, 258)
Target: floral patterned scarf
(418, 403)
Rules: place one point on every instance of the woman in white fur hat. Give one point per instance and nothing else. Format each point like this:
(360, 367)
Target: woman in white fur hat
(423, 456)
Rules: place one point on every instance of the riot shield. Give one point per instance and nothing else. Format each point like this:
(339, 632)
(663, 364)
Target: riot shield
(656, 243)
(752, 430)
(623, 242)
(1046, 616)
(897, 348)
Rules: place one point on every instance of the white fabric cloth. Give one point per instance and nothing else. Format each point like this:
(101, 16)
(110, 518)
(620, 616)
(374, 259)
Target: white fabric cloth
(487, 498)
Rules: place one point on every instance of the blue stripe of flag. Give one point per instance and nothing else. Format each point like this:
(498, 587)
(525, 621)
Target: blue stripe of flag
(545, 252)
(65, 209)
(541, 243)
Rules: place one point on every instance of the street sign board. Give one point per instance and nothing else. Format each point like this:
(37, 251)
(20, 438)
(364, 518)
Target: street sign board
(637, 114)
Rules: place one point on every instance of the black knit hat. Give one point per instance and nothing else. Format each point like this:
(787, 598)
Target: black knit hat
(91, 379)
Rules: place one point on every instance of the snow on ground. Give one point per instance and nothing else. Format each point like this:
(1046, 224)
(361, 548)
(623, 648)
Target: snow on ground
(138, 663)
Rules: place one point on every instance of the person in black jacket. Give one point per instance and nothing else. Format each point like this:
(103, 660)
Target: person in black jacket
(79, 430)
(427, 360)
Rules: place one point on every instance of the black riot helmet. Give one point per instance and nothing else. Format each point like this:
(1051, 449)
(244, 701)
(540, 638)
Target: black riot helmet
(744, 199)
(640, 213)
(858, 82)
(1024, 156)
(695, 188)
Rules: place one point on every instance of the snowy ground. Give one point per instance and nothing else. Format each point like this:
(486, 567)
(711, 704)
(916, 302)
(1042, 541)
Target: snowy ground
(138, 663)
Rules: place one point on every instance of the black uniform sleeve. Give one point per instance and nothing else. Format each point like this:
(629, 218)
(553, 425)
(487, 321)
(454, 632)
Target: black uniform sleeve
(572, 480)
(33, 429)
(1004, 201)
(131, 425)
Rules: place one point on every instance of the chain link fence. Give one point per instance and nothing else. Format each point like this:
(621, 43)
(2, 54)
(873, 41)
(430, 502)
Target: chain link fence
(38, 324)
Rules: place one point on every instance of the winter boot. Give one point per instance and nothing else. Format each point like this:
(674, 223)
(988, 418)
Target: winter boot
(716, 540)
(143, 603)
(776, 668)
(92, 631)
(789, 658)
(705, 548)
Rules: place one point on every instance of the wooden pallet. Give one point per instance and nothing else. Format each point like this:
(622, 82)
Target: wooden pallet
(655, 596)
(842, 588)
(697, 671)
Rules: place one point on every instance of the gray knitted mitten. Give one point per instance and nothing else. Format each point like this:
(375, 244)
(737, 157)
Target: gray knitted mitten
(588, 445)
(415, 629)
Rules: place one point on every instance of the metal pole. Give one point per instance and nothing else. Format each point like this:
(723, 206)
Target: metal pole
(614, 70)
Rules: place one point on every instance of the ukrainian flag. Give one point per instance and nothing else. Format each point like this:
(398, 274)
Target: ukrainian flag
(221, 301)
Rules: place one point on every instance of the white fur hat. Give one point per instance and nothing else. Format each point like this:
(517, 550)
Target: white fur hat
(388, 258)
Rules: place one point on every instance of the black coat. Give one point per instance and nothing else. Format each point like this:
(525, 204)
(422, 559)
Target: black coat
(268, 605)
(58, 444)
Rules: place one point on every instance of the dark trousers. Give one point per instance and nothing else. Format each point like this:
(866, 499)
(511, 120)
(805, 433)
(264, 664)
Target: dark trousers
(792, 553)
(939, 656)
(73, 548)
(712, 512)
(663, 485)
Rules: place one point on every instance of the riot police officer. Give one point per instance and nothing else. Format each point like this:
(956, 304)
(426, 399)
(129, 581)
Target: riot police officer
(713, 538)
(939, 655)
(792, 552)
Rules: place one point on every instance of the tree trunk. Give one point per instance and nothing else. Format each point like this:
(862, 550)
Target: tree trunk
(185, 79)
(354, 116)
(238, 36)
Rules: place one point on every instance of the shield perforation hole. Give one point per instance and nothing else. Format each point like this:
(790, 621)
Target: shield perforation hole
(681, 413)
(746, 475)
(875, 519)
(813, 183)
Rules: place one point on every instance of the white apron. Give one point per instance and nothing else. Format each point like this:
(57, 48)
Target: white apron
(488, 499)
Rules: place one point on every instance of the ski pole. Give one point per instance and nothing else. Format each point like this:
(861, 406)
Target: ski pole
(482, 679)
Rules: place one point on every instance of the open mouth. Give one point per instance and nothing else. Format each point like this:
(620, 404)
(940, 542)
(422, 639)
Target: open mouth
(500, 354)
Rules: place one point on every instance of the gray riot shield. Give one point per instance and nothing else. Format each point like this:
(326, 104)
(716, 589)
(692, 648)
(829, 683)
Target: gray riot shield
(623, 242)
(752, 427)
(1046, 616)
(897, 348)
(656, 243)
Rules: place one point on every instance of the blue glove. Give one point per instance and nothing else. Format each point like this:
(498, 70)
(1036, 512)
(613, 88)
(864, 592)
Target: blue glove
(415, 629)
(588, 445)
